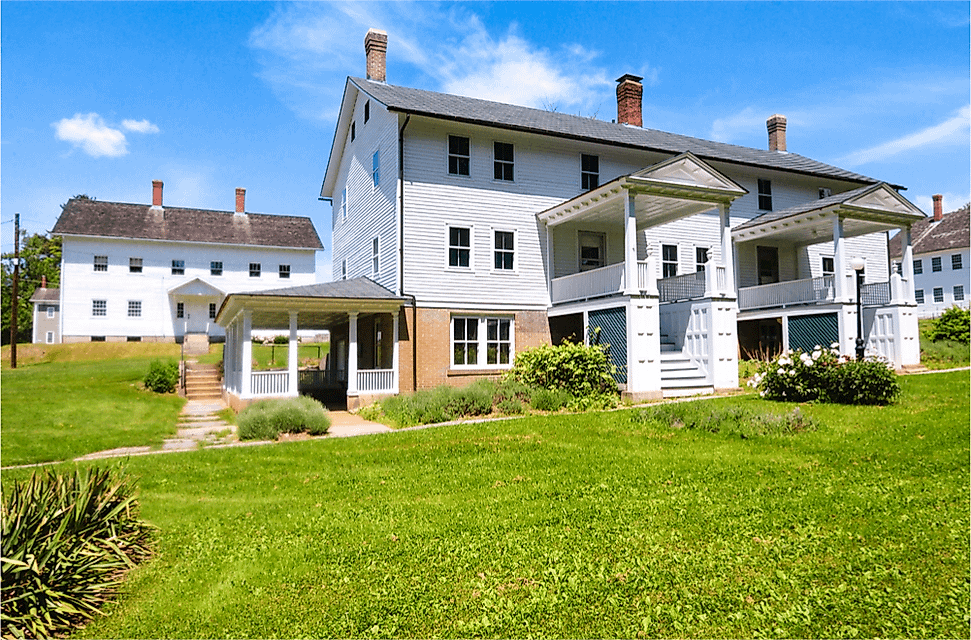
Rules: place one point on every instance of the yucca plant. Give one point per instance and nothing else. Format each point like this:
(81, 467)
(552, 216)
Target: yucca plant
(67, 539)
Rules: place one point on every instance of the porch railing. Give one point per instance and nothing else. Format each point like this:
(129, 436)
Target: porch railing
(875, 294)
(369, 380)
(269, 383)
(588, 284)
(685, 287)
(320, 379)
(784, 294)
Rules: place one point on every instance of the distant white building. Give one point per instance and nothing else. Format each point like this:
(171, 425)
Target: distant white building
(942, 251)
(137, 272)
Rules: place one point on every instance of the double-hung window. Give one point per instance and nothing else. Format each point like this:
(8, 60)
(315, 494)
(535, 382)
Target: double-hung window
(938, 294)
(216, 268)
(504, 160)
(51, 310)
(701, 258)
(50, 337)
(458, 156)
(101, 263)
(958, 292)
(134, 265)
(344, 204)
(375, 263)
(284, 271)
(254, 269)
(936, 264)
(829, 267)
(918, 267)
(134, 308)
(212, 310)
(482, 341)
(765, 195)
(589, 172)
(919, 296)
(99, 307)
(669, 260)
(504, 252)
(956, 261)
(179, 309)
(459, 247)
(592, 250)
(376, 169)
(178, 267)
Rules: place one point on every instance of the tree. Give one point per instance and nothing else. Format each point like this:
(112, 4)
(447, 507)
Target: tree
(40, 257)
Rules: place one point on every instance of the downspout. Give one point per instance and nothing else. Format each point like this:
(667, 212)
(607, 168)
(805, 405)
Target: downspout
(401, 254)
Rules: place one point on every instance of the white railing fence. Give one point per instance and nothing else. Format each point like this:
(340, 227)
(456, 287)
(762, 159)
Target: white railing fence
(783, 294)
(370, 380)
(269, 383)
(684, 287)
(588, 284)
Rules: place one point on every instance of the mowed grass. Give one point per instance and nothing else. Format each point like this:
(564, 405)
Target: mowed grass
(275, 356)
(63, 409)
(596, 525)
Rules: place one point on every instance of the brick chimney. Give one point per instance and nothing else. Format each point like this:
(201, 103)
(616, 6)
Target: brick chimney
(240, 201)
(376, 48)
(157, 193)
(629, 94)
(938, 207)
(43, 282)
(777, 132)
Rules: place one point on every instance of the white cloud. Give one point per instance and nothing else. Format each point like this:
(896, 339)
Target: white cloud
(954, 129)
(739, 125)
(139, 126)
(90, 134)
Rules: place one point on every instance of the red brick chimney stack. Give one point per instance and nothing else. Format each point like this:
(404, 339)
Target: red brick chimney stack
(629, 94)
(938, 207)
(156, 193)
(376, 48)
(43, 282)
(777, 132)
(240, 201)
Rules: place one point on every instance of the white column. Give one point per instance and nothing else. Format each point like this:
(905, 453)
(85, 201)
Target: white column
(352, 354)
(907, 263)
(840, 265)
(292, 357)
(394, 351)
(246, 368)
(727, 249)
(229, 348)
(630, 247)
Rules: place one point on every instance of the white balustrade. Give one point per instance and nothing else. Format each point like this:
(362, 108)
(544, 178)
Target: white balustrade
(791, 292)
(588, 284)
(371, 380)
(269, 383)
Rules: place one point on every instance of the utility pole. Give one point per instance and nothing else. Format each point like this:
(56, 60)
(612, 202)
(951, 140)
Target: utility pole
(14, 307)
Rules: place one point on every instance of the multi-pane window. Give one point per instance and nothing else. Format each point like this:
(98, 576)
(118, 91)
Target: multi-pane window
(956, 261)
(765, 195)
(134, 265)
(459, 246)
(669, 260)
(918, 266)
(958, 292)
(938, 294)
(254, 269)
(936, 264)
(829, 267)
(465, 341)
(216, 268)
(375, 169)
(504, 158)
(482, 342)
(504, 250)
(375, 263)
(701, 258)
(51, 310)
(178, 267)
(458, 155)
(212, 310)
(589, 172)
(99, 307)
(592, 250)
(50, 337)
(179, 309)
(498, 341)
(101, 263)
(919, 296)
(134, 308)
(284, 271)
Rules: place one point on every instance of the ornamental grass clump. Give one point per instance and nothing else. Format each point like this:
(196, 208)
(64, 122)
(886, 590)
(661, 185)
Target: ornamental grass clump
(824, 376)
(267, 419)
(67, 540)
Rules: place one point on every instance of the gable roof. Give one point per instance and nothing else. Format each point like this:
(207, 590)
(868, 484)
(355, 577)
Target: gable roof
(952, 231)
(506, 116)
(46, 295)
(86, 217)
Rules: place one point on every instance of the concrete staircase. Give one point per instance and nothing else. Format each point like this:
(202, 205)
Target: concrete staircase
(202, 382)
(195, 344)
(680, 376)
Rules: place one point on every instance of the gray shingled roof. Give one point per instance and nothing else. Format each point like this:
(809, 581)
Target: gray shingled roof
(496, 114)
(812, 205)
(46, 295)
(354, 289)
(952, 232)
(86, 217)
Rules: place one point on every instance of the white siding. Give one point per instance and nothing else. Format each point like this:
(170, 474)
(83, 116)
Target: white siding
(946, 278)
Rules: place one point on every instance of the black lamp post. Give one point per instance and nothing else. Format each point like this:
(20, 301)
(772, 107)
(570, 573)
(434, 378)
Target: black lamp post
(858, 264)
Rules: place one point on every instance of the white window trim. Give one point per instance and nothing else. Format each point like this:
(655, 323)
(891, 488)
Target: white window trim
(603, 258)
(211, 268)
(448, 154)
(934, 295)
(134, 305)
(99, 315)
(677, 261)
(50, 337)
(481, 341)
(582, 172)
(448, 247)
(50, 311)
(280, 271)
(375, 256)
(708, 256)
(492, 250)
(344, 205)
(344, 269)
(504, 162)
(95, 265)
(258, 269)
(954, 293)
(822, 266)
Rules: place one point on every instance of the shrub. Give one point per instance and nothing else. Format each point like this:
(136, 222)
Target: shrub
(473, 400)
(824, 376)
(162, 376)
(954, 325)
(746, 423)
(267, 419)
(578, 369)
(549, 399)
(66, 540)
(510, 406)
(281, 339)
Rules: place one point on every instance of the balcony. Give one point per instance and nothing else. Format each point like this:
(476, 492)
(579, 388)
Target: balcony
(787, 294)
(612, 280)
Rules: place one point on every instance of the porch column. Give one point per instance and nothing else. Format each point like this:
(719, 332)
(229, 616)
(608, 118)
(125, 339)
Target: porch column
(727, 249)
(839, 260)
(246, 340)
(394, 351)
(630, 247)
(907, 263)
(292, 358)
(229, 353)
(352, 353)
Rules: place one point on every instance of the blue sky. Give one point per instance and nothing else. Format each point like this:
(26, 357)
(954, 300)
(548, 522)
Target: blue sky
(102, 98)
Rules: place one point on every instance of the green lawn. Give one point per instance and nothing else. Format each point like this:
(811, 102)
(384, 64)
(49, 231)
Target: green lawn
(61, 410)
(597, 525)
(274, 356)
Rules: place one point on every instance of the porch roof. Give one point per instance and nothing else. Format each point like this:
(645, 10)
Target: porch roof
(196, 287)
(672, 189)
(865, 210)
(318, 305)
